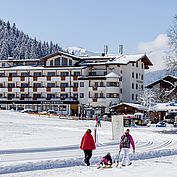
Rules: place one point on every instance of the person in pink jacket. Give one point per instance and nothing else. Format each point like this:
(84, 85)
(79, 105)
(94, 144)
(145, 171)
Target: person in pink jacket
(125, 142)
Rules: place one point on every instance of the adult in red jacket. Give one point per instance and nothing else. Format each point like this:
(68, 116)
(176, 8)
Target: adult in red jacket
(87, 145)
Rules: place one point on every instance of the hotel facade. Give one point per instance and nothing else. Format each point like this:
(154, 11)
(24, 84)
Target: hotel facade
(70, 84)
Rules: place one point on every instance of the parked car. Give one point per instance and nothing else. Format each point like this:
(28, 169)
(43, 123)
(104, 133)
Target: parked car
(27, 111)
(161, 124)
(52, 112)
(175, 124)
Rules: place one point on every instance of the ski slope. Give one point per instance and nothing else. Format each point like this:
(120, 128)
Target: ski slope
(31, 143)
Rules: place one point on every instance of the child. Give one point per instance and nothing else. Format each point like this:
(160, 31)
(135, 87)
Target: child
(106, 161)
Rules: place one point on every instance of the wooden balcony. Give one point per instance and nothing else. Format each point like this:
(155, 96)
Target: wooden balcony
(22, 89)
(74, 78)
(48, 78)
(9, 89)
(22, 78)
(34, 78)
(9, 78)
(48, 89)
(63, 78)
(74, 89)
(34, 89)
(62, 89)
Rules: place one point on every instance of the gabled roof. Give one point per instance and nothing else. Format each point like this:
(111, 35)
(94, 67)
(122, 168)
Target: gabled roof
(136, 106)
(59, 54)
(168, 77)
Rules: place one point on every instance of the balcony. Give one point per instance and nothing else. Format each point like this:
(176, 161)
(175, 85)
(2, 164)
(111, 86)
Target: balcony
(62, 89)
(74, 89)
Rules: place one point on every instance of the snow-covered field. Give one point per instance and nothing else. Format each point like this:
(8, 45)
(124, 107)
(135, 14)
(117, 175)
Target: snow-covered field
(33, 146)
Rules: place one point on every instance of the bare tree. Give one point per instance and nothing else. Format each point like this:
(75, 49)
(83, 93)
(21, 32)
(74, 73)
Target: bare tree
(171, 61)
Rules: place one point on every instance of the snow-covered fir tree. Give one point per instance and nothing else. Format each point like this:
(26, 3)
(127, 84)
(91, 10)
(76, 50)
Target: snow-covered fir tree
(18, 45)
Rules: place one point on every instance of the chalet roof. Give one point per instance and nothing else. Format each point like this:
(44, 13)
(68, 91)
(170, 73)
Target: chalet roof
(136, 106)
(112, 60)
(61, 53)
(168, 78)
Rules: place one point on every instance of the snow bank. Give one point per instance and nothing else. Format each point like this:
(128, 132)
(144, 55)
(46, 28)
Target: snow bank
(51, 164)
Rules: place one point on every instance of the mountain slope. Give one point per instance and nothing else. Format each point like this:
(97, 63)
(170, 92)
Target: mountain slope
(16, 44)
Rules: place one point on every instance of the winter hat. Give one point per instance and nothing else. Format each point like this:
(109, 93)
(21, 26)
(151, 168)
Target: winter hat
(89, 131)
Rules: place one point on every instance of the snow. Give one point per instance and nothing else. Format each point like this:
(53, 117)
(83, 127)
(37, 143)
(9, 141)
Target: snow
(41, 146)
(112, 75)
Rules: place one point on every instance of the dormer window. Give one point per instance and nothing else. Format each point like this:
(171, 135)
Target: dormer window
(64, 61)
(57, 61)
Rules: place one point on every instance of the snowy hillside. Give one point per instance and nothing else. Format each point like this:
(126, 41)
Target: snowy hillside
(79, 51)
(34, 146)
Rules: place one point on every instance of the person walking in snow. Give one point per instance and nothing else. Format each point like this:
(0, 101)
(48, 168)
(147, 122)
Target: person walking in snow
(106, 161)
(99, 121)
(87, 145)
(125, 142)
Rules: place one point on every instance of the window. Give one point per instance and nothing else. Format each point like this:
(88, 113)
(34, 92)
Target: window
(75, 95)
(137, 64)
(96, 84)
(64, 85)
(36, 95)
(96, 95)
(37, 74)
(101, 84)
(37, 85)
(81, 95)
(75, 84)
(77, 73)
(11, 85)
(63, 95)
(62, 108)
(112, 95)
(142, 87)
(11, 95)
(51, 62)
(70, 62)
(24, 74)
(132, 96)
(24, 85)
(136, 75)
(136, 97)
(3, 64)
(81, 84)
(101, 95)
(142, 77)
(12, 74)
(51, 74)
(50, 95)
(50, 85)
(64, 61)
(92, 73)
(112, 84)
(133, 64)
(136, 86)
(2, 74)
(132, 74)
(142, 65)
(121, 90)
(57, 61)
(64, 74)
(132, 85)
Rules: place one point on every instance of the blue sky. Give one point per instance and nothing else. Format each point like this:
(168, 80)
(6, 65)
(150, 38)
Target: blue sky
(92, 23)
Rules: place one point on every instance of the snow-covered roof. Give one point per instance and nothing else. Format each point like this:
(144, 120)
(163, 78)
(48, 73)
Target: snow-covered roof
(121, 59)
(37, 68)
(137, 106)
(164, 107)
(112, 75)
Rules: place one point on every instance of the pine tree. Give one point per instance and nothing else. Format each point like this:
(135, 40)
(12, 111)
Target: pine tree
(16, 44)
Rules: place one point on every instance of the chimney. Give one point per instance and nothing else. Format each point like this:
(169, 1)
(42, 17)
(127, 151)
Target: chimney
(121, 49)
